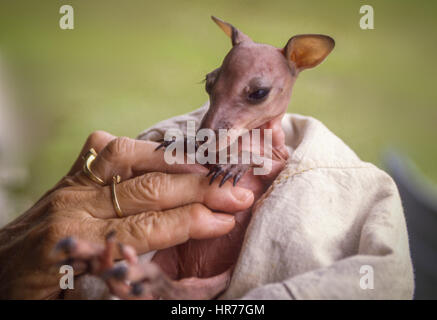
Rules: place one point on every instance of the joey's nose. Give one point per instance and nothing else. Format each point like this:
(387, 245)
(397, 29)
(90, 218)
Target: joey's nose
(215, 119)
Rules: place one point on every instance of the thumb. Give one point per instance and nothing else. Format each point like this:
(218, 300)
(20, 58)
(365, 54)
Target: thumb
(162, 229)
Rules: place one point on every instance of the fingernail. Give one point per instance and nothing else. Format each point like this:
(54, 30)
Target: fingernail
(241, 194)
(224, 217)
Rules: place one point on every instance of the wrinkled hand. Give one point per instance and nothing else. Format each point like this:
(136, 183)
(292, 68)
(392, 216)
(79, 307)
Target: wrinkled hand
(161, 209)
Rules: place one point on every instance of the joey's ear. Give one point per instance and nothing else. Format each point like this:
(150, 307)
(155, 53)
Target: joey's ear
(236, 35)
(308, 50)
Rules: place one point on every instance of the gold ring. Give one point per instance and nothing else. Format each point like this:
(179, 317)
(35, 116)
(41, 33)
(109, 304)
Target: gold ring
(89, 158)
(115, 180)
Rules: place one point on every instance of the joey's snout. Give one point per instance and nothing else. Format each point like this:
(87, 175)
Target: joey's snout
(216, 119)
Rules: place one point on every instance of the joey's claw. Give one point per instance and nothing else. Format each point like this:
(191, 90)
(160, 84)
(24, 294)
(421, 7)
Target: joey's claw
(211, 171)
(164, 144)
(160, 146)
(225, 178)
(229, 171)
(237, 177)
(219, 171)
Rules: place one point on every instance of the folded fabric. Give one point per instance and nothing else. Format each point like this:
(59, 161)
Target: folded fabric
(330, 227)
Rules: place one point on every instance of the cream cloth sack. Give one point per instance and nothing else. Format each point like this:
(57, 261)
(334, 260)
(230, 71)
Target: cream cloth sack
(327, 227)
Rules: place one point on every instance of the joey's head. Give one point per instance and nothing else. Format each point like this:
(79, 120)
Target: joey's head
(252, 88)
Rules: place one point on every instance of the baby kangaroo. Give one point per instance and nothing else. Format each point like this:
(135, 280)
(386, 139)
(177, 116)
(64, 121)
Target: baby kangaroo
(252, 89)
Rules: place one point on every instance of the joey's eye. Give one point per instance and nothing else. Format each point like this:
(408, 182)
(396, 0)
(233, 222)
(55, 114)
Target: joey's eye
(259, 94)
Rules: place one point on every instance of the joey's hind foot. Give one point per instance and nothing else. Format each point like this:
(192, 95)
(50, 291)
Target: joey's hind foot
(134, 278)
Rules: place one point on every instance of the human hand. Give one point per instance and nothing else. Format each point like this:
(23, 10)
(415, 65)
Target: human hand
(161, 209)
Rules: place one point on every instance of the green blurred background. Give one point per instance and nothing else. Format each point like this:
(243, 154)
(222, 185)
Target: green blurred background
(129, 64)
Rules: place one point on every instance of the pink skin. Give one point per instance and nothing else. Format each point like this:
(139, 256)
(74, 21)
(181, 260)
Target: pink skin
(201, 269)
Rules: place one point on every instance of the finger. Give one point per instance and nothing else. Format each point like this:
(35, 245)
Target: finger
(128, 158)
(97, 140)
(159, 191)
(162, 229)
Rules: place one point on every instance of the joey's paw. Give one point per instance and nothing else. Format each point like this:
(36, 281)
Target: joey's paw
(235, 171)
(134, 278)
